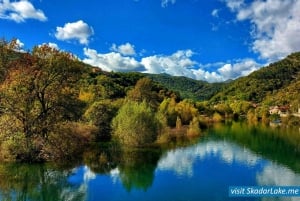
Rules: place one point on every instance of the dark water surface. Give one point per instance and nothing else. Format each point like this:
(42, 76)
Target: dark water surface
(235, 154)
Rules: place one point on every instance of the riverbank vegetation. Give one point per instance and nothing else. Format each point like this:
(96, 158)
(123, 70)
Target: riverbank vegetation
(53, 106)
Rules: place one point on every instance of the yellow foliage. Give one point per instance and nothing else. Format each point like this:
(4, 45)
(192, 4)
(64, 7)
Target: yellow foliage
(86, 96)
(217, 117)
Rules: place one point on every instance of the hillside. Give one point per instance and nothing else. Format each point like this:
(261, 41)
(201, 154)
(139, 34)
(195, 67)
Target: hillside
(289, 95)
(268, 80)
(187, 87)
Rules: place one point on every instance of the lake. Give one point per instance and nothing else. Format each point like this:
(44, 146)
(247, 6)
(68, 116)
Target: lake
(231, 154)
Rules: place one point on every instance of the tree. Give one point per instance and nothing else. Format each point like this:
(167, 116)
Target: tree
(186, 111)
(7, 54)
(39, 91)
(101, 114)
(194, 129)
(135, 124)
(144, 91)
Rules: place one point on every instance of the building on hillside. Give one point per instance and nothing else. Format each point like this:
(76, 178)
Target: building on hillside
(283, 110)
(96, 69)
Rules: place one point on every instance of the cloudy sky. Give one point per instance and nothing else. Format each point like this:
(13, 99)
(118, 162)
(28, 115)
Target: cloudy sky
(213, 40)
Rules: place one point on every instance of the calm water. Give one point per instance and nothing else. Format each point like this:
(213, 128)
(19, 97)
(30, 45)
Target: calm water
(228, 155)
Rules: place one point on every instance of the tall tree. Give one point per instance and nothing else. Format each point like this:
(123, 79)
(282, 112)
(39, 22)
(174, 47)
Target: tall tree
(39, 90)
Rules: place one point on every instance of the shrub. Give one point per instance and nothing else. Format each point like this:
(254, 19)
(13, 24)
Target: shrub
(68, 141)
(135, 124)
(194, 129)
(12, 140)
(100, 114)
(217, 117)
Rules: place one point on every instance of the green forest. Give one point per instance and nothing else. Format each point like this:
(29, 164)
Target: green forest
(53, 106)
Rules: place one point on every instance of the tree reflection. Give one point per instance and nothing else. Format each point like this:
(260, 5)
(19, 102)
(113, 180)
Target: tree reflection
(102, 158)
(137, 168)
(37, 183)
(277, 144)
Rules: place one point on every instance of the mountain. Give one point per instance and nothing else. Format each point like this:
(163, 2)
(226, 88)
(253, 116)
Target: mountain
(288, 95)
(187, 87)
(277, 78)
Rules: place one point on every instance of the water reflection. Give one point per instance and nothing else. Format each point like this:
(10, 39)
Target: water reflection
(137, 169)
(277, 175)
(182, 160)
(233, 154)
(37, 182)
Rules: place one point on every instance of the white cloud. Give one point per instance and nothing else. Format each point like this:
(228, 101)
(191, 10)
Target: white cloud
(19, 44)
(177, 64)
(240, 68)
(201, 74)
(53, 45)
(19, 11)
(124, 49)
(111, 61)
(276, 25)
(79, 30)
(215, 13)
(181, 64)
(165, 3)
(234, 4)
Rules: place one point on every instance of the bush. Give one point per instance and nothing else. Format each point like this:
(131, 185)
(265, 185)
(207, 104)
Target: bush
(68, 141)
(217, 117)
(12, 140)
(100, 114)
(135, 124)
(194, 129)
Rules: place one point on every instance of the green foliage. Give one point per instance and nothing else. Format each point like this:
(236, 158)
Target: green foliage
(186, 111)
(144, 90)
(289, 95)
(100, 114)
(258, 84)
(135, 124)
(223, 109)
(187, 87)
(240, 107)
(167, 108)
(137, 169)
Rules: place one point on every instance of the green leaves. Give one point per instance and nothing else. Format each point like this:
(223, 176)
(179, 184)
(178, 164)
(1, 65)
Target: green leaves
(135, 124)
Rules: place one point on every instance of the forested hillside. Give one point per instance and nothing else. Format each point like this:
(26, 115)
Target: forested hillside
(187, 87)
(266, 81)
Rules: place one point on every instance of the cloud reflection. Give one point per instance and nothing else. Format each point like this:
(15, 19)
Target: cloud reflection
(181, 160)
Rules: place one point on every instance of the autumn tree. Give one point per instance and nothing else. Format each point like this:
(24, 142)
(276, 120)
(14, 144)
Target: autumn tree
(144, 90)
(7, 54)
(39, 90)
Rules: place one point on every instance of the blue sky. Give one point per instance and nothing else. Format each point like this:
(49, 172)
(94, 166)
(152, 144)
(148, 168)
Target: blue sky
(213, 40)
